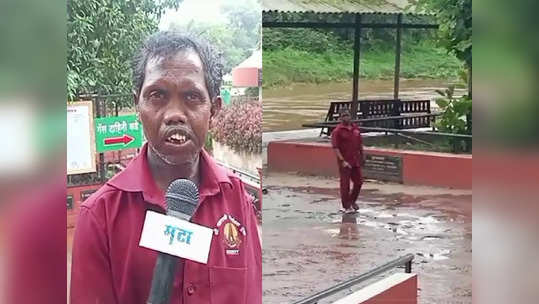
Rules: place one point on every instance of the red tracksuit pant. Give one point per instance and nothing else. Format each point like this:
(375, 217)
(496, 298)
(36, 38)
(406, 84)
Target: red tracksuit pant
(346, 174)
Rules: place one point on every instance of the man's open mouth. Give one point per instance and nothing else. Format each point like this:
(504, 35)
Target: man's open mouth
(178, 138)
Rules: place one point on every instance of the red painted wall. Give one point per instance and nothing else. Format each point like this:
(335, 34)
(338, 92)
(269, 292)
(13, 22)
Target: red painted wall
(308, 158)
(76, 192)
(419, 167)
(245, 77)
(399, 288)
(122, 157)
(403, 293)
(438, 169)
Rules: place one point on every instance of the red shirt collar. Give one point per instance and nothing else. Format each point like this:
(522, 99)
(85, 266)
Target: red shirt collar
(137, 177)
(343, 126)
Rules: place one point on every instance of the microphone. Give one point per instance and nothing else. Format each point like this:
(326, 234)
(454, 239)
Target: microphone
(182, 198)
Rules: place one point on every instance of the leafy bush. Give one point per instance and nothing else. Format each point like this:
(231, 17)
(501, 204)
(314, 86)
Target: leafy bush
(252, 91)
(307, 40)
(456, 118)
(239, 126)
(456, 112)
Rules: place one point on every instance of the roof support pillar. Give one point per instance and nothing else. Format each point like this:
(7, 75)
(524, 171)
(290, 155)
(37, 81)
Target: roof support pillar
(357, 43)
(397, 57)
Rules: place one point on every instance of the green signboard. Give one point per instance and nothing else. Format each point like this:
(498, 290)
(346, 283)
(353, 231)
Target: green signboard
(225, 94)
(117, 133)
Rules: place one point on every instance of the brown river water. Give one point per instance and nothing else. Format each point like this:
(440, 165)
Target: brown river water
(288, 108)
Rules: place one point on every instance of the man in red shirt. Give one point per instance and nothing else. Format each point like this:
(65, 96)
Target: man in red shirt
(348, 146)
(177, 80)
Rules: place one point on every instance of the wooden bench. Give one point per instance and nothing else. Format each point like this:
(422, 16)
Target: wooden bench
(409, 121)
(397, 114)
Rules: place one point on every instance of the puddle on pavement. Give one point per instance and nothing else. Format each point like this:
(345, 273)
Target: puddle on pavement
(317, 239)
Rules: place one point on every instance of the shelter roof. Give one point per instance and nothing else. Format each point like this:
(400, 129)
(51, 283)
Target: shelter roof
(340, 6)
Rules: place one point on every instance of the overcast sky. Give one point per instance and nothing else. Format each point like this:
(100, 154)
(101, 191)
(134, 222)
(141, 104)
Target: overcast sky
(206, 11)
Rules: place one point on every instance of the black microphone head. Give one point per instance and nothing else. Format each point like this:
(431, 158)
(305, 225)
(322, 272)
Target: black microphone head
(181, 198)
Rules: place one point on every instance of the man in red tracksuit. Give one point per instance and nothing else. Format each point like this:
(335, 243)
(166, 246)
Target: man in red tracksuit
(348, 146)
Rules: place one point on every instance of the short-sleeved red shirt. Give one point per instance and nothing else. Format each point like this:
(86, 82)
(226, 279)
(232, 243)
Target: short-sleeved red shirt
(110, 267)
(348, 140)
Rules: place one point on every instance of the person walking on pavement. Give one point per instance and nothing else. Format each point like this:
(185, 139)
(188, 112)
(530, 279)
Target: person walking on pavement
(348, 146)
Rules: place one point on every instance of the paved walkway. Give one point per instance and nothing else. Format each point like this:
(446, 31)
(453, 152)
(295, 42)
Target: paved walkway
(309, 246)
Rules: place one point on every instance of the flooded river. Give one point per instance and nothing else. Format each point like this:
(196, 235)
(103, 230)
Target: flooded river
(289, 108)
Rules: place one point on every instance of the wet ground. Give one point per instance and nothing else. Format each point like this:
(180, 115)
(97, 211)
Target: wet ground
(288, 108)
(309, 246)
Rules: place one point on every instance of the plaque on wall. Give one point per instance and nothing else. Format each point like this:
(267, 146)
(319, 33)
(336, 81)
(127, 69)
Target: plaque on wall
(86, 194)
(69, 202)
(383, 167)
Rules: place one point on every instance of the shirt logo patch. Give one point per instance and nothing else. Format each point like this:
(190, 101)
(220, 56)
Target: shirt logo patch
(232, 233)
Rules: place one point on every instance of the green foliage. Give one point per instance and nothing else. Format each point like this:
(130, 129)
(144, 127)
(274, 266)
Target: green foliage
(338, 40)
(245, 17)
(455, 19)
(221, 37)
(307, 40)
(252, 91)
(455, 31)
(456, 112)
(435, 143)
(236, 38)
(293, 59)
(283, 67)
(102, 36)
(316, 55)
(32, 52)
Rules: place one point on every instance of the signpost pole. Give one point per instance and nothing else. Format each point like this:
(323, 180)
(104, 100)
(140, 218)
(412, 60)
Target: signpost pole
(101, 163)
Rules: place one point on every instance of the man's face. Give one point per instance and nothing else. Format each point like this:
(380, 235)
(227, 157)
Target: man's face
(175, 107)
(345, 117)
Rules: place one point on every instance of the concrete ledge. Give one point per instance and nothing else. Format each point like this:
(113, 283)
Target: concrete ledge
(418, 167)
(399, 288)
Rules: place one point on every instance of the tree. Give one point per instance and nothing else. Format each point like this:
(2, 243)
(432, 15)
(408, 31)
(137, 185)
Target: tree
(220, 36)
(237, 37)
(455, 31)
(102, 36)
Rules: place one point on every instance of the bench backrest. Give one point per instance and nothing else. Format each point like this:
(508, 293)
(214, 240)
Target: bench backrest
(381, 108)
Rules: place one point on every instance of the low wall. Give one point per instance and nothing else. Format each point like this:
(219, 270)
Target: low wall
(77, 194)
(245, 77)
(403, 166)
(399, 288)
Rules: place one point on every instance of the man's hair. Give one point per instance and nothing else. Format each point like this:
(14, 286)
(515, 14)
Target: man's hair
(165, 44)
